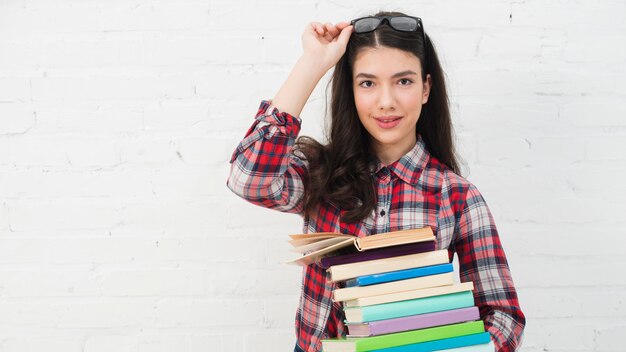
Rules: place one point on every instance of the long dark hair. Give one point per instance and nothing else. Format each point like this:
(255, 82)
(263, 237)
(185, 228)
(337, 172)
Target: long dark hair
(339, 171)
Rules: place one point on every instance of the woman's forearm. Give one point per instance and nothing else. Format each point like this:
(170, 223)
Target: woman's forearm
(296, 90)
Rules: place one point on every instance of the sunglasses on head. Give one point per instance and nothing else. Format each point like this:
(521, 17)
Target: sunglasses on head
(399, 23)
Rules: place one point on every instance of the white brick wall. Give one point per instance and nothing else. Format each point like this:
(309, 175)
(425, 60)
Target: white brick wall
(117, 120)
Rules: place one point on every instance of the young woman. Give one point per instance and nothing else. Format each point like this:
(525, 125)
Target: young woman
(388, 165)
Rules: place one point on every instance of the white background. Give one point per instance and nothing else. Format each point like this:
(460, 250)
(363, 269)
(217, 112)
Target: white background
(118, 118)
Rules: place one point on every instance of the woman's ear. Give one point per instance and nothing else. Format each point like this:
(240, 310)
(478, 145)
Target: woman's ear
(426, 89)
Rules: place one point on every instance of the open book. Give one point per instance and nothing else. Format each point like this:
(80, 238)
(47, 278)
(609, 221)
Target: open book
(314, 246)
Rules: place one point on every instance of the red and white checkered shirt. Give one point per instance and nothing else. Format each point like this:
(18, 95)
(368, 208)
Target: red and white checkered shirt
(415, 191)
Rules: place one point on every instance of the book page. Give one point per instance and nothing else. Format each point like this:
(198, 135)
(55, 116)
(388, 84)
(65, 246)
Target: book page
(318, 245)
(314, 256)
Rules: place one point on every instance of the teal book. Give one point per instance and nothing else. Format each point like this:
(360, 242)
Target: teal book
(480, 342)
(410, 307)
(374, 343)
(483, 347)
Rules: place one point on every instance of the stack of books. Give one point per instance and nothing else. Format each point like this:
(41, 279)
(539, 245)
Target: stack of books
(398, 293)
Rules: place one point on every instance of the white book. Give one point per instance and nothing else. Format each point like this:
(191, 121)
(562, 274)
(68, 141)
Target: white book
(377, 266)
(344, 294)
(407, 295)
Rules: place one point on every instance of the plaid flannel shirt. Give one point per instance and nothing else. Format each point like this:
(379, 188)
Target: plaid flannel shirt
(415, 191)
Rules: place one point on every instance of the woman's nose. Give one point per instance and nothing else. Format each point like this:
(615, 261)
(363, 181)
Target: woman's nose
(386, 99)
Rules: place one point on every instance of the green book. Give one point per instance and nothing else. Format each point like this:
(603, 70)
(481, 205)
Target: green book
(402, 338)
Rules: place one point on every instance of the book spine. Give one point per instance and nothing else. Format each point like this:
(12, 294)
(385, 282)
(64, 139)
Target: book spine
(359, 330)
(480, 342)
(408, 295)
(352, 270)
(413, 307)
(344, 294)
(398, 237)
(483, 347)
(402, 274)
(423, 321)
(418, 336)
(375, 254)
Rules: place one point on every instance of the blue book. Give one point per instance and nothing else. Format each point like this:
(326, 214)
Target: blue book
(399, 275)
(443, 344)
(411, 307)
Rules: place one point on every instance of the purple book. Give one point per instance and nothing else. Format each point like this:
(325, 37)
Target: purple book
(413, 322)
(378, 253)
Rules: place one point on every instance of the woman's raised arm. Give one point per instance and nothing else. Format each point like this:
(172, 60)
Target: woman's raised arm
(264, 171)
(323, 46)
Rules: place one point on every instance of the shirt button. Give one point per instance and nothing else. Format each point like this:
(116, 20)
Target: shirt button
(382, 213)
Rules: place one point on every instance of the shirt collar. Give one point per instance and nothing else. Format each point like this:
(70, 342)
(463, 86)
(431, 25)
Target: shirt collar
(409, 167)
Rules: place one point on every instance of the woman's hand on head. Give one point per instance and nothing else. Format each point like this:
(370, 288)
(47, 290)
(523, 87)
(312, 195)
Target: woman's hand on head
(326, 42)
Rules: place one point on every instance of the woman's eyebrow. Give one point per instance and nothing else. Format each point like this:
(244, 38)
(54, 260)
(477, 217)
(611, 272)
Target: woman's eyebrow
(403, 73)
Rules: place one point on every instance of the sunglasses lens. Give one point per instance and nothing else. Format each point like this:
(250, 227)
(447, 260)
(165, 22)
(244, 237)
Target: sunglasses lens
(405, 24)
(366, 25)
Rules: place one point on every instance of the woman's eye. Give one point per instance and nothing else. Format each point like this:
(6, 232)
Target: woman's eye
(408, 81)
(365, 86)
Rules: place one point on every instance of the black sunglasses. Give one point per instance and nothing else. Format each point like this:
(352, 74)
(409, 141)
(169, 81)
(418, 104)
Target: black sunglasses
(399, 23)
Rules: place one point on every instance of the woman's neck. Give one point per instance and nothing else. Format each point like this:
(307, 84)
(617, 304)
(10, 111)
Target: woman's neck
(388, 154)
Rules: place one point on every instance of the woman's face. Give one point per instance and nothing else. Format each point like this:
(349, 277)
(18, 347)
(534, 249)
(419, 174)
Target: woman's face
(388, 94)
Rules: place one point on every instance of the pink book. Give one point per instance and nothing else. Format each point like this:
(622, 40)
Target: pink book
(413, 322)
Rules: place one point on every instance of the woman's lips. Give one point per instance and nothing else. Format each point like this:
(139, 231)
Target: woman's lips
(388, 121)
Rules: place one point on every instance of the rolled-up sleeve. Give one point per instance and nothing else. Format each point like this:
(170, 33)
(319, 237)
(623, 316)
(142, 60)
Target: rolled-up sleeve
(482, 260)
(264, 170)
